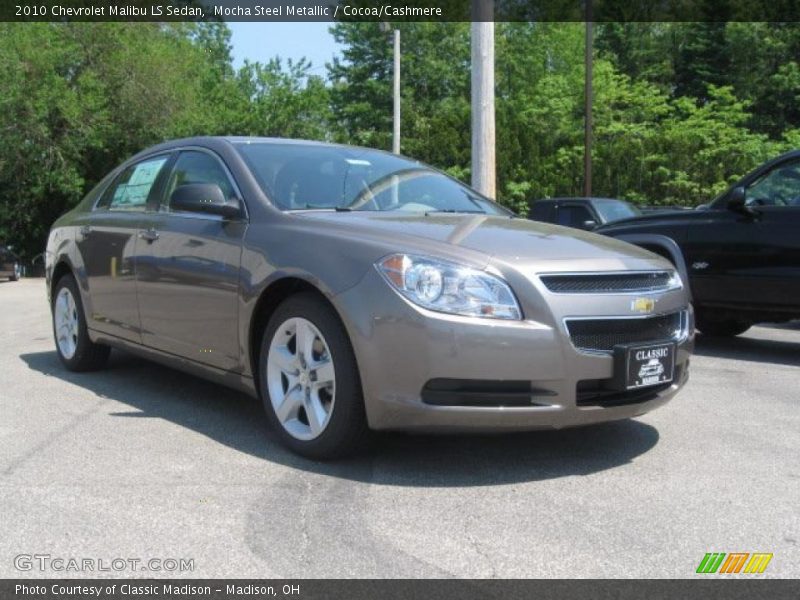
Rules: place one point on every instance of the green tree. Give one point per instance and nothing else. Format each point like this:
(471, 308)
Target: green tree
(78, 98)
(283, 101)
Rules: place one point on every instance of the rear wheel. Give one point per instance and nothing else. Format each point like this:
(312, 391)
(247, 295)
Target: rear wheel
(309, 380)
(720, 327)
(75, 349)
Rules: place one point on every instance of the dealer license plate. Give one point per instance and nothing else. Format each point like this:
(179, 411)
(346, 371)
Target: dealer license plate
(647, 365)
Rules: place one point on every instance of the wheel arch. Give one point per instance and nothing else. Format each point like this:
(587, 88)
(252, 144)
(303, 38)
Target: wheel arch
(62, 268)
(268, 301)
(662, 245)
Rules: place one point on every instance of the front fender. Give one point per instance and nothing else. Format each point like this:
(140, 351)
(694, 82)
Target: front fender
(62, 252)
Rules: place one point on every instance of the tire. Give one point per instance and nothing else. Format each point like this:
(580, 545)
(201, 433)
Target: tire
(16, 274)
(76, 351)
(720, 327)
(321, 377)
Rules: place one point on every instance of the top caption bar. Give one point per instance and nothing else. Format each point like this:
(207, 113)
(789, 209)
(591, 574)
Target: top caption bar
(400, 10)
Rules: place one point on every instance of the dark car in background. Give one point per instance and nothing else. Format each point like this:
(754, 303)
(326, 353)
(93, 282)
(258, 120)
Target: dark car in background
(581, 213)
(742, 251)
(10, 265)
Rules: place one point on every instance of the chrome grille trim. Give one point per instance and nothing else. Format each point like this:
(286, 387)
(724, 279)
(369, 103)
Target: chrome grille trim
(611, 282)
(599, 335)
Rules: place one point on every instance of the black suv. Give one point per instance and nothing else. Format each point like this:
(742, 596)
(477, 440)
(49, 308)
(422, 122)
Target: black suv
(742, 252)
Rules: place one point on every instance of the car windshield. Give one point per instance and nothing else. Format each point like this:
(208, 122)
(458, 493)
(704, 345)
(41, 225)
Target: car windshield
(614, 210)
(299, 177)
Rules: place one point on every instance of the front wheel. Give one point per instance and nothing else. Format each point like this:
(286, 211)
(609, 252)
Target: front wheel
(75, 349)
(17, 273)
(309, 380)
(725, 327)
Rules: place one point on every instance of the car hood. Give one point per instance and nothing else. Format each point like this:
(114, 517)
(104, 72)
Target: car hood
(513, 241)
(658, 218)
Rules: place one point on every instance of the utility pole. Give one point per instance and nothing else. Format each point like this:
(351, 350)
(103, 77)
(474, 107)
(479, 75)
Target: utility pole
(483, 132)
(385, 28)
(396, 73)
(587, 103)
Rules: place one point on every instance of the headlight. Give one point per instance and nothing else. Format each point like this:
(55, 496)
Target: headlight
(449, 287)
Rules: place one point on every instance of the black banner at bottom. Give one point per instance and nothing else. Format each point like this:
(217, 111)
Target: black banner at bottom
(396, 589)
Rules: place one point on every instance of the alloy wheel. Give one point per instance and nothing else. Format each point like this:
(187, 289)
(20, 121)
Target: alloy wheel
(66, 323)
(301, 378)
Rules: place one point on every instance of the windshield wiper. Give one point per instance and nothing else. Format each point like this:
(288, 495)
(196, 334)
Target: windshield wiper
(451, 211)
(308, 207)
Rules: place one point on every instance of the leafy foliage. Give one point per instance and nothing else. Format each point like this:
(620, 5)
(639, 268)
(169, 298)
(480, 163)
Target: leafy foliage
(680, 109)
(76, 99)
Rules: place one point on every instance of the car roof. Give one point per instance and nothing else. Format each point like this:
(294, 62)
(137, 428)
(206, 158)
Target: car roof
(228, 140)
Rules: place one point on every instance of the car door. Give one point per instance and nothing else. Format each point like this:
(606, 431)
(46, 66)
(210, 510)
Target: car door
(106, 241)
(188, 270)
(751, 258)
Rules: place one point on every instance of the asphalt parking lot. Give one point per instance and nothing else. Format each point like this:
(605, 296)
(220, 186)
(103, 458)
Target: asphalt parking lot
(139, 461)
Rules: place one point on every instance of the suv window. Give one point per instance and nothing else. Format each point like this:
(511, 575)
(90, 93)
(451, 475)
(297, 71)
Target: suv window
(133, 186)
(573, 215)
(778, 187)
(541, 211)
(197, 167)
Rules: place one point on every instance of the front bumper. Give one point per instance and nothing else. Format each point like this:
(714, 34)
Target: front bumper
(401, 348)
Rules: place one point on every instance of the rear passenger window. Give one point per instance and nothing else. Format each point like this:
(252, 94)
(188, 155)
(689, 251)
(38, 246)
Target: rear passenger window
(132, 187)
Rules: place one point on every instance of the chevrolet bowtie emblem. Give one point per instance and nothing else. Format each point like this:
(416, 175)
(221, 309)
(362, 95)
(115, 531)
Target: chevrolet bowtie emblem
(643, 305)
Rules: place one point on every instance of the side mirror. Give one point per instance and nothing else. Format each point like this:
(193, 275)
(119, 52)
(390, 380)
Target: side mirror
(737, 199)
(204, 198)
(589, 224)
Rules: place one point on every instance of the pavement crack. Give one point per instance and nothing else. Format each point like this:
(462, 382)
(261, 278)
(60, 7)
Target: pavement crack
(51, 439)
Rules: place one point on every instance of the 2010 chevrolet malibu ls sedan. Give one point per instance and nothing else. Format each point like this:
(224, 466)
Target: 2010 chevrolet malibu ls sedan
(352, 289)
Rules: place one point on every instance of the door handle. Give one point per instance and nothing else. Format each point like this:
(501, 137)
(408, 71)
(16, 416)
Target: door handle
(149, 235)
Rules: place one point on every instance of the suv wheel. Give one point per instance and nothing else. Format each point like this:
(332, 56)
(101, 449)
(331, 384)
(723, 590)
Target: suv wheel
(75, 349)
(309, 380)
(17, 272)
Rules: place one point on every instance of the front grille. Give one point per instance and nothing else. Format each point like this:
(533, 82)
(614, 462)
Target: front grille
(601, 335)
(608, 283)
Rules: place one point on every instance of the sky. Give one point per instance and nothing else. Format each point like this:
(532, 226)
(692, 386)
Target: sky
(262, 41)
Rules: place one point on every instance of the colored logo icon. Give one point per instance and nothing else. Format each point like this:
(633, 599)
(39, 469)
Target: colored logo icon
(735, 562)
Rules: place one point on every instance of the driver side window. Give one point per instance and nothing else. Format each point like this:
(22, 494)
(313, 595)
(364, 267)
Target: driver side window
(778, 187)
(197, 167)
(572, 215)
